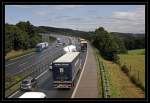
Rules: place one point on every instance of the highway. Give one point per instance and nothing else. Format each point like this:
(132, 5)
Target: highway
(45, 84)
(45, 80)
(17, 65)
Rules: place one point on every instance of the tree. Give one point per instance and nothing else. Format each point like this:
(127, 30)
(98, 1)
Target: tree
(120, 43)
(105, 42)
(23, 35)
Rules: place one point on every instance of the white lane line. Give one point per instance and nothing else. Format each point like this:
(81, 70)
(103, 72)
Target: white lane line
(41, 74)
(35, 78)
(10, 64)
(21, 56)
(13, 94)
(74, 92)
(18, 61)
(23, 63)
(27, 57)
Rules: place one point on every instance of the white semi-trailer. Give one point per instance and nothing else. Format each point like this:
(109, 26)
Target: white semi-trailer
(70, 48)
(41, 46)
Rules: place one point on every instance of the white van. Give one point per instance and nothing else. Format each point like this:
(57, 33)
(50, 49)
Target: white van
(33, 95)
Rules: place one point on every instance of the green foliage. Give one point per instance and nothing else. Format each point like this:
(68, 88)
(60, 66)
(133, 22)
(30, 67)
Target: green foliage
(137, 82)
(125, 69)
(131, 41)
(23, 35)
(121, 45)
(106, 44)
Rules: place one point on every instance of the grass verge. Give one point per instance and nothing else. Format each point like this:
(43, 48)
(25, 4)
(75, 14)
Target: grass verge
(98, 74)
(12, 83)
(134, 63)
(13, 54)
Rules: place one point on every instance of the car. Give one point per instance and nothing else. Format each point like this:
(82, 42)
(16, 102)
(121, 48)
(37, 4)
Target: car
(28, 83)
(33, 95)
(60, 43)
(57, 45)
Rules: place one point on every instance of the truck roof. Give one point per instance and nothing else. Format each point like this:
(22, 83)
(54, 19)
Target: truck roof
(68, 57)
(70, 48)
(33, 95)
(84, 42)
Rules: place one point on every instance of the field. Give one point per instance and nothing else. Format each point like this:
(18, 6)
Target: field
(119, 82)
(135, 60)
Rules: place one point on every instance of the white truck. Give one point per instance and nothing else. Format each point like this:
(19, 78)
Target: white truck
(33, 95)
(70, 48)
(41, 46)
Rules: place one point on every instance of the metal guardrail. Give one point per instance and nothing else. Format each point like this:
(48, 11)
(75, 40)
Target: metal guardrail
(36, 70)
(104, 78)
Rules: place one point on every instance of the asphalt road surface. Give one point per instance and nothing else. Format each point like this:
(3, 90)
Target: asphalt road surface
(21, 63)
(45, 84)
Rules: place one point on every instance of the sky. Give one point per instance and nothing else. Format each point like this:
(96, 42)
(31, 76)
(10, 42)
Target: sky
(114, 18)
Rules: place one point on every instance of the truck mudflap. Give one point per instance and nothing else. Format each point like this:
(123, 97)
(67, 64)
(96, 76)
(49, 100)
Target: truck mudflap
(63, 85)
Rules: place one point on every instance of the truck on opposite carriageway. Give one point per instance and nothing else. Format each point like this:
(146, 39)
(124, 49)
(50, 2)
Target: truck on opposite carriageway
(41, 46)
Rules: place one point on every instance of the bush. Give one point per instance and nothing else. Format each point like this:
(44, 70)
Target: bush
(136, 82)
(125, 69)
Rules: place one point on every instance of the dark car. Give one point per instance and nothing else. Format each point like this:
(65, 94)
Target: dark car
(28, 83)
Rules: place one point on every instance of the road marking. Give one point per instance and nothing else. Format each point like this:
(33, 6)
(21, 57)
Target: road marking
(27, 57)
(17, 58)
(41, 74)
(74, 92)
(22, 56)
(10, 64)
(13, 94)
(35, 78)
(23, 63)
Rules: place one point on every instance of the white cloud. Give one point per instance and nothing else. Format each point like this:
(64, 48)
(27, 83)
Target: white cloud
(60, 7)
(138, 14)
(119, 21)
(22, 6)
(129, 21)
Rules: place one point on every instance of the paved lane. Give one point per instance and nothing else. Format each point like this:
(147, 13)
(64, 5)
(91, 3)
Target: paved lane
(87, 87)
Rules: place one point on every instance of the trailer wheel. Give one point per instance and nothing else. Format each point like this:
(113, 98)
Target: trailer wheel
(73, 84)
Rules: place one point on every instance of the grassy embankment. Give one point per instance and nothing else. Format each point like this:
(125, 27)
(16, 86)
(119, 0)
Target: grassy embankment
(120, 84)
(12, 82)
(99, 81)
(135, 62)
(13, 54)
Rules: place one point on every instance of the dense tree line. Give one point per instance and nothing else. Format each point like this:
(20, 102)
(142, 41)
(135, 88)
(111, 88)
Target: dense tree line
(109, 44)
(23, 35)
(131, 41)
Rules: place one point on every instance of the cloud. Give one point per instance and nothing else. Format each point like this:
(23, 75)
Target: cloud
(138, 14)
(60, 7)
(41, 13)
(22, 6)
(128, 21)
(88, 19)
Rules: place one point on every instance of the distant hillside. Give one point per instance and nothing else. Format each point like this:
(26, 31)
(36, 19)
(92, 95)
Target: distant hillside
(127, 35)
(131, 41)
(63, 31)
